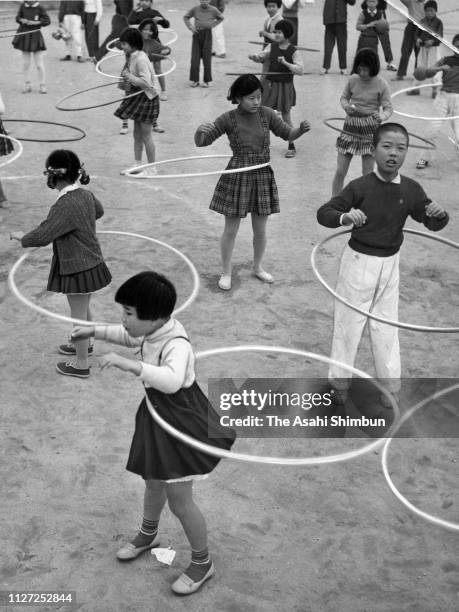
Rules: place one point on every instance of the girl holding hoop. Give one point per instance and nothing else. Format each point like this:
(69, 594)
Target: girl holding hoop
(77, 268)
(6, 146)
(255, 191)
(31, 18)
(154, 49)
(367, 102)
(167, 465)
(143, 108)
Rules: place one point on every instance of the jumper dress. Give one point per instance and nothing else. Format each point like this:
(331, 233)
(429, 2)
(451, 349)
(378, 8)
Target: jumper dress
(157, 455)
(369, 38)
(245, 192)
(279, 92)
(33, 41)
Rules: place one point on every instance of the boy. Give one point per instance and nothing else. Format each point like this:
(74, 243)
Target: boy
(205, 18)
(71, 16)
(335, 22)
(428, 45)
(415, 11)
(143, 11)
(218, 33)
(377, 205)
(274, 15)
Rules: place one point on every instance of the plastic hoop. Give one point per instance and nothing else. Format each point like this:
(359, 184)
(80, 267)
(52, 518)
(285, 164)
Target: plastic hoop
(400, 91)
(49, 313)
(423, 328)
(59, 106)
(211, 450)
(168, 31)
(18, 152)
(80, 137)
(425, 515)
(431, 144)
(129, 171)
(109, 47)
(114, 76)
(18, 33)
(257, 42)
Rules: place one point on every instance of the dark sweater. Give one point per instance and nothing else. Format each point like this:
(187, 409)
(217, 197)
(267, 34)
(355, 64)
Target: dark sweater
(137, 17)
(335, 11)
(71, 7)
(387, 206)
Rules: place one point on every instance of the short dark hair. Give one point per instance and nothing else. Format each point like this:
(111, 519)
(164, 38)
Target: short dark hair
(455, 37)
(431, 4)
(66, 166)
(133, 37)
(285, 27)
(389, 127)
(154, 27)
(366, 57)
(151, 294)
(243, 86)
(278, 2)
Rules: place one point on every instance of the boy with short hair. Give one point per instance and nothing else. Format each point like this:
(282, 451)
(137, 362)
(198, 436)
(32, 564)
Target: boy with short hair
(428, 45)
(71, 14)
(274, 15)
(377, 205)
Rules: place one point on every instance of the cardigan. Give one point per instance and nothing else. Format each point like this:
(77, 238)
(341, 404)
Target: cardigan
(140, 67)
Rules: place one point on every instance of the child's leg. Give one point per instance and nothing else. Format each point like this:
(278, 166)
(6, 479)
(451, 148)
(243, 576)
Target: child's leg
(138, 141)
(441, 109)
(343, 163)
(286, 116)
(162, 80)
(153, 504)
(26, 57)
(38, 57)
(3, 198)
(195, 57)
(227, 243)
(79, 304)
(384, 39)
(368, 163)
(259, 245)
(207, 55)
(147, 139)
(454, 111)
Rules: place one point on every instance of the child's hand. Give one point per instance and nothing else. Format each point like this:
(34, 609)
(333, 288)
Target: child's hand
(305, 126)
(261, 33)
(350, 109)
(82, 332)
(206, 127)
(281, 59)
(252, 57)
(17, 236)
(435, 210)
(354, 216)
(111, 360)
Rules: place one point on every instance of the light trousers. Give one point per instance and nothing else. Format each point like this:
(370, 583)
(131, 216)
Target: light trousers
(445, 104)
(72, 23)
(218, 39)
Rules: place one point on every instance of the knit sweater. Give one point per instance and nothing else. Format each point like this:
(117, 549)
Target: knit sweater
(368, 96)
(71, 227)
(204, 18)
(71, 7)
(386, 205)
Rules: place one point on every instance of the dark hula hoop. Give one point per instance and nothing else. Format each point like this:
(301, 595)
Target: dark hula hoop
(429, 145)
(59, 106)
(80, 136)
(258, 42)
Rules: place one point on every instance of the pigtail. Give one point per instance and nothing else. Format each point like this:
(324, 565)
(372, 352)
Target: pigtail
(84, 176)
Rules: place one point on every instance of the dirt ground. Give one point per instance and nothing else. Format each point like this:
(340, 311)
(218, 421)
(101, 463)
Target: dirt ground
(329, 538)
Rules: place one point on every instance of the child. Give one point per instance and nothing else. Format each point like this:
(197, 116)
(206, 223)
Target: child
(284, 61)
(119, 23)
(31, 17)
(155, 50)
(447, 102)
(167, 465)
(428, 45)
(77, 268)
(93, 11)
(143, 108)
(205, 18)
(254, 191)
(274, 16)
(378, 205)
(362, 98)
(71, 15)
(6, 146)
(145, 11)
(415, 10)
(335, 22)
(383, 35)
(366, 22)
(218, 33)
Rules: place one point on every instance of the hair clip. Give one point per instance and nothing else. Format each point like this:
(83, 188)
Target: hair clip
(55, 171)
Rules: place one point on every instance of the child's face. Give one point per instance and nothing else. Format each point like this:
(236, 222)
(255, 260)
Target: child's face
(430, 12)
(363, 72)
(145, 3)
(271, 9)
(204, 3)
(250, 102)
(147, 32)
(279, 36)
(390, 153)
(136, 327)
(372, 4)
(126, 47)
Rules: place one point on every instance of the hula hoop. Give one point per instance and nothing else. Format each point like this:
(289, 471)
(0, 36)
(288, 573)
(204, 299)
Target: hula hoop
(18, 33)
(114, 76)
(212, 450)
(129, 171)
(18, 152)
(400, 91)
(58, 104)
(109, 47)
(257, 42)
(49, 313)
(425, 515)
(423, 328)
(169, 31)
(431, 145)
(82, 133)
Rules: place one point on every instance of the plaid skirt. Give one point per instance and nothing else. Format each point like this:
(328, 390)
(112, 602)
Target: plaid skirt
(6, 146)
(278, 95)
(139, 108)
(254, 191)
(87, 281)
(357, 135)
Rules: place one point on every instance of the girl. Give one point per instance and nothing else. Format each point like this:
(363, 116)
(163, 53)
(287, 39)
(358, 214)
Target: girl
(167, 466)
(31, 17)
(383, 34)
(284, 62)
(254, 191)
(143, 108)
(77, 267)
(6, 146)
(362, 98)
(366, 23)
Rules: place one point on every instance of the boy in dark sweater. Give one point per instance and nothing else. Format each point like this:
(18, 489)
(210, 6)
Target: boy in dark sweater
(145, 11)
(377, 205)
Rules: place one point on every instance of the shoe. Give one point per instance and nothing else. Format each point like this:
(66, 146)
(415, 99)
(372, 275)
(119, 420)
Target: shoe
(68, 369)
(184, 585)
(397, 78)
(5, 204)
(69, 349)
(324, 71)
(221, 55)
(27, 88)
(66, 58)
(391, 67)
(80, 60)
(194, 84)
(344, 72)
(225, 282)
(422, 163)
(163, 96)
(290, 153)
(43, 89)
(264, 276)
(205, 85)
(158, 129)
(152, 171)
(129, 551)
(413, 92)
(124, 129)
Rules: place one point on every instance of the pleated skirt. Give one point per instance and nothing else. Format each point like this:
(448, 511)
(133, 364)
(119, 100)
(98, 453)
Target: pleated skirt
(139, 108)
(278, 95)
(29, 43)
(357, 135)
(87, 281)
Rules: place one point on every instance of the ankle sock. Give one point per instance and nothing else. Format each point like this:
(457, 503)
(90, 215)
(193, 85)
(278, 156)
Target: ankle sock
(291, 146)
(199, 566)
(147, 533)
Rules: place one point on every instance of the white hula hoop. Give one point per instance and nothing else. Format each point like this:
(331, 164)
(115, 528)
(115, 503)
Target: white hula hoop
(410, 116)
(168, 31)
(109, 47)
(425, 515)
(18, 152)
(19, 33)
(49, 313)
(130, 171)
(117, 77)
(217, 452)
(370, 315)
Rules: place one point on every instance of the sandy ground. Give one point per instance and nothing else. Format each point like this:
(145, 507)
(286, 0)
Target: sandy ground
(328, 538)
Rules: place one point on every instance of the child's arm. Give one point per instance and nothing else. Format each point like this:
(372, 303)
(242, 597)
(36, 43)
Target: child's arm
(187, 19)
(430, 214)
(281, 129)
(346, 99)
(340, 210)
(170, 375)
(218, 17)
(296, 66)
(144, 80)
(44, 19)
(361, 26)
(160, 20)
(116, 334)
(386, 103)
(58, 222)
(2, 105)
(99, 208)
(259, 58)
(207, 133)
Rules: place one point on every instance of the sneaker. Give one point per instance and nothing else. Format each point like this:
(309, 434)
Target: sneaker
(67, 368)
(66, 58)
(129, 551)
(397, 78)
(264, 276)
(224, 282)
(205, 85)
(124, 129)
(5, 204)
(80, 60)
(184, 585)
(43, 89)
(157, 128)
(413, 92)
(220, 55)
(421, 164)
(27, 88)
(324, 71)
(391, 67)
(290, 153)
(69, 349)
(163, 96)
(344, 72)
(194, 84)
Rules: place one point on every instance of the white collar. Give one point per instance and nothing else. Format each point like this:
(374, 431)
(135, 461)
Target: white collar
(397, 179)
(65, 190)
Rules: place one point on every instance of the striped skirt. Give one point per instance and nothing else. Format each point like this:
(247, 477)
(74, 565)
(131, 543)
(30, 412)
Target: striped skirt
(357, 135)
(139, 108)
(6, 146)
(86, 281)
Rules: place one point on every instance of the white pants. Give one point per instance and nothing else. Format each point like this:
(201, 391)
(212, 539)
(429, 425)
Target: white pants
(371, 283)
(218, 39)
(445, 104)
(72, 23)
(428, 56)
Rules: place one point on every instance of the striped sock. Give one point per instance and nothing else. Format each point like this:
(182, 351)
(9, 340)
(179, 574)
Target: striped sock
(200, 564)
(147, 533)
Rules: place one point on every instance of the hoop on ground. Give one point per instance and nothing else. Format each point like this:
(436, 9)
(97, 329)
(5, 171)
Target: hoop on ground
(81, 132)
(425, 515)
(59, 106)
(370, 315)
(409, 115)
(211, 450)
(430, 145)
(258, 42)
(117, 76)
(18, 152)
(49, 313)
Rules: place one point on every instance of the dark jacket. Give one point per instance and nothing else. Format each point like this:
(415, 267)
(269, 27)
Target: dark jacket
(71, 7)
(335, 11)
